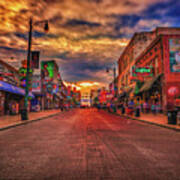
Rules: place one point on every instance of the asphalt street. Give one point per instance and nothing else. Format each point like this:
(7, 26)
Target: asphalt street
(89, 144)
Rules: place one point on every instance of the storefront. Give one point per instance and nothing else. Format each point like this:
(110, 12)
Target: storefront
(171, 51)
(151, 90)
(160, 56)
(56, 101)
(37, 103)
(2, 100)
(164, 85)
(12, 98)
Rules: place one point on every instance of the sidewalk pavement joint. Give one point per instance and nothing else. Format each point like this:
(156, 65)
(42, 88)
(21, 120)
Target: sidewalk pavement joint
(27, 122)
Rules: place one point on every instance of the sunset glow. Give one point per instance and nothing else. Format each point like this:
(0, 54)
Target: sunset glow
(88, 84)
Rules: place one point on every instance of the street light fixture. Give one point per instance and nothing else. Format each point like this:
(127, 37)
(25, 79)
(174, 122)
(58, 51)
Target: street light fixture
(46, 28)
(114, 75)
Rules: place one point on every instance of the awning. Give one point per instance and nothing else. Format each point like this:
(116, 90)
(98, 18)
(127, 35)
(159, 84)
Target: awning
(13, 89)
(148, 84)
(137, 87)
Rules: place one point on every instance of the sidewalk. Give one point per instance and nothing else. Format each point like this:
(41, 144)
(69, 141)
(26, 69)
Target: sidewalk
(15, 120)
(159, 120)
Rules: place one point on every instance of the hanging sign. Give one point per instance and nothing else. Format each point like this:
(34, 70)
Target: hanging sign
(174, 54)
(36, 83)
(8, 76)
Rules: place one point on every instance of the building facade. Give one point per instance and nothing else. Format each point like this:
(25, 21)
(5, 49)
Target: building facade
(160, 56)
(50, 84)
(11, 94)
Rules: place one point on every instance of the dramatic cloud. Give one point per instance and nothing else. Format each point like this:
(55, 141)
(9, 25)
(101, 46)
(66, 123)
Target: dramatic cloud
(85, 36)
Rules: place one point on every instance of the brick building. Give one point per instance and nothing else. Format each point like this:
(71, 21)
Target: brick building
(11, 94)
(160, 50)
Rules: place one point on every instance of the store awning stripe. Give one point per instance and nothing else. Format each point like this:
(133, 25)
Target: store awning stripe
(13, 89)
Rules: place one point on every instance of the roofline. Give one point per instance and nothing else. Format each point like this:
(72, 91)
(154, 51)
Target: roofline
(149, 47)
(9, 66)
(135, 34)
(153, 31)
(160, 27)
(159, 37)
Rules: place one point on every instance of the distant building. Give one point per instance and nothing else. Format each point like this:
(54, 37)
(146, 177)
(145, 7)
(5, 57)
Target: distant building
(86, 98)
(94, 97)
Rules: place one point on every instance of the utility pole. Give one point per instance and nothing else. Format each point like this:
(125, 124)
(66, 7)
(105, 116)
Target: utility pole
(114, 78)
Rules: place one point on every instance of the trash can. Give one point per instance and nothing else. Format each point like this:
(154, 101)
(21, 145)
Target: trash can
(122, 110)
(24, 115)
(114, 109)
(137, 112)
(172, 117)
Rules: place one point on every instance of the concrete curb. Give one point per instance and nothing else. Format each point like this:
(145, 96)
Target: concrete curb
(148, 122)
(152, 123)
(28, 121)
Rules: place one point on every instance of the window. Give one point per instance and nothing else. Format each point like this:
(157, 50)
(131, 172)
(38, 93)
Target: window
(156, 68)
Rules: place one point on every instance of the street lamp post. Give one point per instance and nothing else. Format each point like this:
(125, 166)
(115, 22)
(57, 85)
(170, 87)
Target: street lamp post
(25, 111)
(115, 90)
(114, 81)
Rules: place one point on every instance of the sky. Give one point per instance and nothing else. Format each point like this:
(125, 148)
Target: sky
(85, 36)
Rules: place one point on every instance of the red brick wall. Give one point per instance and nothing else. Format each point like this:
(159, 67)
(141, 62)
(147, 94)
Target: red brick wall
(150, 56)
(172, 79)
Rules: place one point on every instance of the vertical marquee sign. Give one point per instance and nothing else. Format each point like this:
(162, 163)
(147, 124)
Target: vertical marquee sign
(47, 75)
(174, 55)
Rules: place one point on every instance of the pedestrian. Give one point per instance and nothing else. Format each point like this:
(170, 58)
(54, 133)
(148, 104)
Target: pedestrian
(61, 107)
(158, 106)
(122, 108)
(108, 106)
(137, 108)
(66, 106)
(142, 108)
(153, 108)
(114, 107)
(131, 107)
(146, 106)
(98, 106)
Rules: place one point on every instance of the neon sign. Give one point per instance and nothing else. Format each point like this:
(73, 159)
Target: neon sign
(142, 71)
(47, 68)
